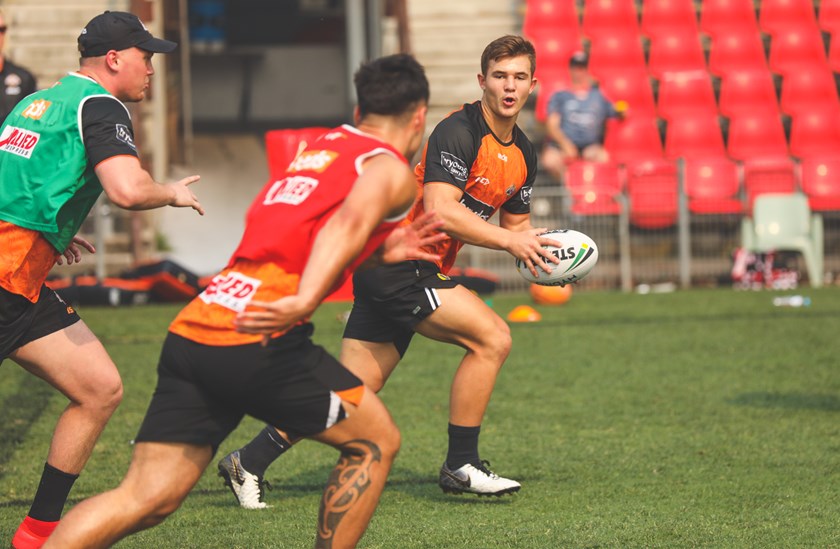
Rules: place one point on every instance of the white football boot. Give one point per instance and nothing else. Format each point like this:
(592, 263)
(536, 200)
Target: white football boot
(475, 480)
(247, 487)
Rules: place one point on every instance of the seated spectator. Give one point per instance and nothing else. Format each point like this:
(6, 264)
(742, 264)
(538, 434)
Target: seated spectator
(576, 120)
(16, 81)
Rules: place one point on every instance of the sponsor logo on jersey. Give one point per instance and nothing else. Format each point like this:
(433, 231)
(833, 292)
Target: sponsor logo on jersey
(454, 165)
(510, 190)
(316, 161)
(290, 190)
(503, 157)
(332, 136)
(479, 208)
(36, 109)
(124, 135)
(482, 180)
(525, 194)
(231, 290)
(18, 141)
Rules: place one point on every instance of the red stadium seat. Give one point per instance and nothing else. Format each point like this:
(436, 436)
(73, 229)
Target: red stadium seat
(768, 174)
(682, 93)
(779, 15)
(809, 87)
(829, 20)
(558, 16)
(736, 51)
(821, 181)
(694, 136)
(748, 90)
(815, 132)
(712, 186)
(791, 48)
(605, 17)
(594, 187)
(620, 50)
(675, 51)
(554, 48)
(834, 53)
(666, 16)
(720, 17)
(652, 191)
(282, 146)
(632, 139)
(755, 135)
(629, 85)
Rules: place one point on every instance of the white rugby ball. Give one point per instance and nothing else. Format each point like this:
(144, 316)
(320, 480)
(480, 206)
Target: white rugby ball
(577, 253)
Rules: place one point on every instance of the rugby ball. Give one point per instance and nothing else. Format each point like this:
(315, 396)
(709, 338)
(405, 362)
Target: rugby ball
(577, 253)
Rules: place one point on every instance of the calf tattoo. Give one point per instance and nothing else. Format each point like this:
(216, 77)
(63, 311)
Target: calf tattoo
(349, 480)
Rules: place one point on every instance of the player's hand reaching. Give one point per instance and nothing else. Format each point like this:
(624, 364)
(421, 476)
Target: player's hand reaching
(527, 246)
(269, 317)
(407, 241)
(73, 253)
(184, 197)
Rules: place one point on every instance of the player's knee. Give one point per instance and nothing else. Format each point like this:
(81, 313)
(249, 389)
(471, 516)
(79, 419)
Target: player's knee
(155, 508)
(109, 394)
(498, 342)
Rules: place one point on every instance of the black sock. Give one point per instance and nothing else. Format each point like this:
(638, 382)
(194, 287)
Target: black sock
(463, 446)
(261, 452)
(52, 494)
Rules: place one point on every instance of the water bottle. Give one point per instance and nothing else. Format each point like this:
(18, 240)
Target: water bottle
(792, 301)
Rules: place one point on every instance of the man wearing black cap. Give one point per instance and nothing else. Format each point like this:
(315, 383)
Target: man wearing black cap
(59, 149)
(576, 119)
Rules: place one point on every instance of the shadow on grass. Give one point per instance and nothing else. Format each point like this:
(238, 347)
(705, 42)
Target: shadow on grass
(793, 401)
(19, 411)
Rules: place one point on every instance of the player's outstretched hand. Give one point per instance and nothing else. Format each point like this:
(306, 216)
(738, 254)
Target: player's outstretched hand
(528, 247)
(184, 197)
(268, 317)
(73, 253)
(407, 241)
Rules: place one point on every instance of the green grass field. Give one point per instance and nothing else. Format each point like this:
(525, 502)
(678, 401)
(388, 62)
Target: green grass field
(705, 418)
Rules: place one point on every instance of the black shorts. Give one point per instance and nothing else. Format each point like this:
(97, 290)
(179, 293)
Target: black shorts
(22, 321)
(203, 391)
(390, 300)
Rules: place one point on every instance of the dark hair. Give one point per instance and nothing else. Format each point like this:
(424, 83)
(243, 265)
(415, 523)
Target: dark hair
(508, 46)
(390, 85)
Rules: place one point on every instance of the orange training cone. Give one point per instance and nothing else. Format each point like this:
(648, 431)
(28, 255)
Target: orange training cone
(524, 313)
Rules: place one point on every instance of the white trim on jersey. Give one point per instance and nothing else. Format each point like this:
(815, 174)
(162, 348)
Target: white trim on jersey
(432, 296)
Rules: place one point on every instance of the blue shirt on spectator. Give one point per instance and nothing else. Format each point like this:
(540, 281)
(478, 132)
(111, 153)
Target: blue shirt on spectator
(582, 119)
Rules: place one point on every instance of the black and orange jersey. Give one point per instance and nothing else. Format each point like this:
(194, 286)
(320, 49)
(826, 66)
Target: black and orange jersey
(464, 152)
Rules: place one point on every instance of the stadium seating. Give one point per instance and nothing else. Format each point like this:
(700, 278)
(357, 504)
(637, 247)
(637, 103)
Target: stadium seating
(834, 53)
(720, 17)
(712, 186)
(764, 175)
(281, 146)
(829, 19)
(605, 17)
(755, 135)
(815, 132)
(794, 47)
(551, 79)
(664, 16)
(594, 187)
(629, 85)
(784, 222)
(736, 51)
(554, 48)
(675, 51)
(747, 91)
(616, 51)
(809, 87)
(632, 139)
(695, 135)
(820, 176)
(779, 15)
(652, 191)
(556, 16)
(686, 93)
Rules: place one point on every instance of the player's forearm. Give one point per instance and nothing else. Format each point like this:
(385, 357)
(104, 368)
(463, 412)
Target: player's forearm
(461, 223)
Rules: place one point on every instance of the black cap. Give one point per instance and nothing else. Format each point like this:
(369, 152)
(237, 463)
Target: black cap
(579, 59)
(118, 30)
